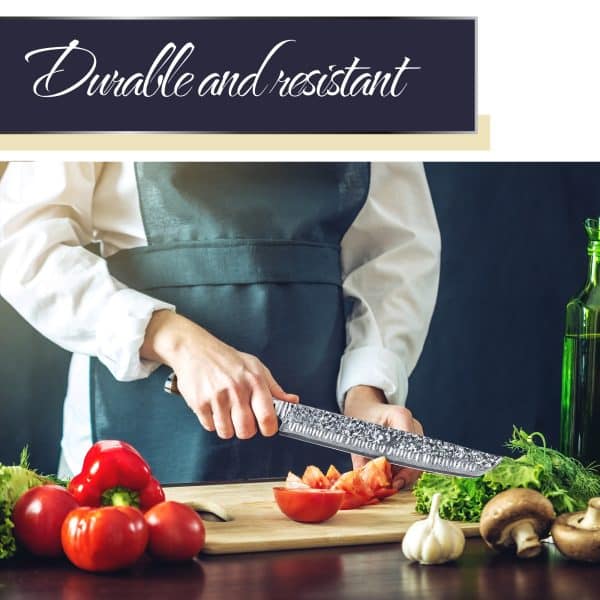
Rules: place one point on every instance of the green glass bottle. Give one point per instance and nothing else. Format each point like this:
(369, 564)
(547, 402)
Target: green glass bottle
(580, 400)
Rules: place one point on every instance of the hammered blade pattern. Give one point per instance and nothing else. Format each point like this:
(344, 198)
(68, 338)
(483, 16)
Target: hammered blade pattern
(367, 439)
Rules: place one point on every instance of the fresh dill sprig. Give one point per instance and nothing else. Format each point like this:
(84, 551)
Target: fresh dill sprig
(561, 475)
(566, 482)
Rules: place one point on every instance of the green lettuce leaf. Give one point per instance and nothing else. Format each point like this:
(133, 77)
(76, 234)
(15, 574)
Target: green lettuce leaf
(564, 481)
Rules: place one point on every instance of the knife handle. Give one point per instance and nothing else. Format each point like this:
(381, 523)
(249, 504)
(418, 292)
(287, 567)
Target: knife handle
(170, 385)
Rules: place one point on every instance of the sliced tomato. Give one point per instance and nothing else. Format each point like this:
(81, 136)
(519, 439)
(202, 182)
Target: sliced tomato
(377, 475)
(382, 493)
(313, 477)
(373, 500)
(367, 485)
(357, 493)
(332, 474)
(293, 481)
(308, 505)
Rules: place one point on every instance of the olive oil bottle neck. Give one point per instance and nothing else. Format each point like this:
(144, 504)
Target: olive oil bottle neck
(593, 251)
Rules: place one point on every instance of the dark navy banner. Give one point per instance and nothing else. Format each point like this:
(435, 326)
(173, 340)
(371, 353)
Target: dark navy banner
(271, 75)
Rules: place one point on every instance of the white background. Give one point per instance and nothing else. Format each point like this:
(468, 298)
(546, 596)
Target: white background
(538, 70)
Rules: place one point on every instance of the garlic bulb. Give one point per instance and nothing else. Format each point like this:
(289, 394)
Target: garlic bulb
(433, 540)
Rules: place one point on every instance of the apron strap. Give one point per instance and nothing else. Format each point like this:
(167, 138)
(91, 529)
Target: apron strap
(227, 262)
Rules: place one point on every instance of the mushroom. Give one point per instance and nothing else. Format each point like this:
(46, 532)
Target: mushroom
(577, 535)
(517, 517)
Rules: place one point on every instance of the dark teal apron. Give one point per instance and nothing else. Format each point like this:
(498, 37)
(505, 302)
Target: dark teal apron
(252, 253)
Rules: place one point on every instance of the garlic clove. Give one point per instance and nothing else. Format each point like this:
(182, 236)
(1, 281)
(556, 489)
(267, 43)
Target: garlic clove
(432, 551)
(433, 540)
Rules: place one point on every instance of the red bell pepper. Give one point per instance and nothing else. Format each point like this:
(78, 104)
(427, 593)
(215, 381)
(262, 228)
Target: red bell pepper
(115, 473)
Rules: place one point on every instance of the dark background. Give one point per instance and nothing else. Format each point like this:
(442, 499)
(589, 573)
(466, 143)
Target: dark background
(513, 253)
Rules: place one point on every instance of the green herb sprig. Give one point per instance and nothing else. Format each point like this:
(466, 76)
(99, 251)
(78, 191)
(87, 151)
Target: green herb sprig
(563, 480)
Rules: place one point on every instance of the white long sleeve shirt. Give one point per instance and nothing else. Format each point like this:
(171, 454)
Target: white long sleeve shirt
(49, 211)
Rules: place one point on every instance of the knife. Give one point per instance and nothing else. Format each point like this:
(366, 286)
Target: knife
(333, 430)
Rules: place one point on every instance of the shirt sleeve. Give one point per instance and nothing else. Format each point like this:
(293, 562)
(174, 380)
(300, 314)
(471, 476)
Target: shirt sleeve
(390, 263)
(63, 290)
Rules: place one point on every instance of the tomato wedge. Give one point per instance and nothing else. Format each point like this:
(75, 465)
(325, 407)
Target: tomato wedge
(332, 474)
(293, 481)
(357, 492)
(313, 476)
(308, 505)
(377, 475)
(367, 485)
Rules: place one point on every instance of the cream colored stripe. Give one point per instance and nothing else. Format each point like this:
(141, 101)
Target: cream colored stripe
(250, 141)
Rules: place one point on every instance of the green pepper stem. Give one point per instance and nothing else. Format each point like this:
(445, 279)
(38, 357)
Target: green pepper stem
(120, 496)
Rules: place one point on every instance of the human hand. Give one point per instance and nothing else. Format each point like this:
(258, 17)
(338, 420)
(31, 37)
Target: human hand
(369, 404)
(229, 391)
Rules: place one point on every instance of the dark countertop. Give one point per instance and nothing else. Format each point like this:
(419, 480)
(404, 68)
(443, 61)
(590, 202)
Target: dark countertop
(358, 572)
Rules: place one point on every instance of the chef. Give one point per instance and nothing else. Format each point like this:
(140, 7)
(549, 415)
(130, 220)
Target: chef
(250, 281)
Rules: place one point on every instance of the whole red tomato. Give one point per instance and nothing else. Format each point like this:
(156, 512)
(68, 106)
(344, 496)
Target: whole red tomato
(176, 531)
(38, 516)
(308, 505)
(104, 539)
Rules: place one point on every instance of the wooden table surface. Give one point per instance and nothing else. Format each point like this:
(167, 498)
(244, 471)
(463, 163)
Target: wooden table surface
(358, 573)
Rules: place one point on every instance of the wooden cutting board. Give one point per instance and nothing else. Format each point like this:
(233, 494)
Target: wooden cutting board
(254, 523)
